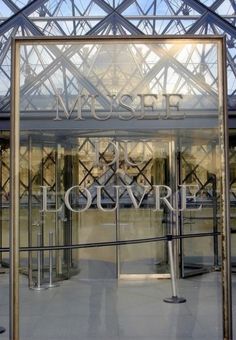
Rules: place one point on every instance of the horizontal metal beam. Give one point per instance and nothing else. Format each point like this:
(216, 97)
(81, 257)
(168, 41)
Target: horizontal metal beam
(128, 17)
(117, 124)
(112, 18)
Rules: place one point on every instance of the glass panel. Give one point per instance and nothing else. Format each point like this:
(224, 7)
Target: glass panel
(200, 164)
(232, 164)
(149, 167)
(120, 147)
(94, 225)
(4, 229)
(4, 195)
(232, 159)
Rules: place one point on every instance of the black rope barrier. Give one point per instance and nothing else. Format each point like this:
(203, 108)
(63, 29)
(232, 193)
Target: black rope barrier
(110, 243)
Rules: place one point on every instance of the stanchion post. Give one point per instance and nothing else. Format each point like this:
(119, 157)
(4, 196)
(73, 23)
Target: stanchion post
(174, 298)
(50, 258)
(38, 285)
(51, 284)
(39, 260)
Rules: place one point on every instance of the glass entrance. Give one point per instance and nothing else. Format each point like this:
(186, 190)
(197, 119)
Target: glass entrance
(95, 189)
(120, 174)
(89, 190)
(147, 165)
(126, 144)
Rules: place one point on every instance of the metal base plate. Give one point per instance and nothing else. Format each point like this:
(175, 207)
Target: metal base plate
(38, 288)
(175, 299)
(52, 285)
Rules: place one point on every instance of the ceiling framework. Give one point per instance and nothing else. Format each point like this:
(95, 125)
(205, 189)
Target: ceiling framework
(108, 17)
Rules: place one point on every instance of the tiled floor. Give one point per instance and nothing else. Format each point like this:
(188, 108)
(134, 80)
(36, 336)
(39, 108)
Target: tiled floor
(124, 310)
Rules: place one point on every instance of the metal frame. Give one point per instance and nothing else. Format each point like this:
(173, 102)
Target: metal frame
(14, 199)
(226, 230)
(14, 185)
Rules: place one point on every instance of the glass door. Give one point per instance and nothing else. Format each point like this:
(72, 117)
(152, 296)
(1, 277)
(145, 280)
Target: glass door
(121, 175)
(198, 164)
(147, 164)
(96, 177)
(110, 182)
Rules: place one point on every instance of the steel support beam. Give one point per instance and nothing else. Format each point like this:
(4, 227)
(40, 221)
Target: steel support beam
(15, 19)
(225, 25)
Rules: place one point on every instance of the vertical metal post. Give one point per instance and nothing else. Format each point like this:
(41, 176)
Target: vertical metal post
(117, 221)
(39, 285)
(172, 272)
(39, 237)
(14, 196)
(57, 220)
(181, 216)
(42, 219)
(77, 217)
(174, 298)
(214, 210)
(174, 218)
(50, 259)
(30, 271)
(51, 284)
(226, 233)
(215, 224)
(67, 223)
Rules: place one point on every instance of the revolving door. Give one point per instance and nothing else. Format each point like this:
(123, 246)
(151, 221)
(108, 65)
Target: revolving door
(92, 189)
(118, 174)
(88, 162)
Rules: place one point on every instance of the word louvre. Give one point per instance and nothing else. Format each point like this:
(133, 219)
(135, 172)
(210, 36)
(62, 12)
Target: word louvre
(158, 196)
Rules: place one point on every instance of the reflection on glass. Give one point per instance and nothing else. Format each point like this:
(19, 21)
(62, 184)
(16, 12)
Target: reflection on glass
(120, 142)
